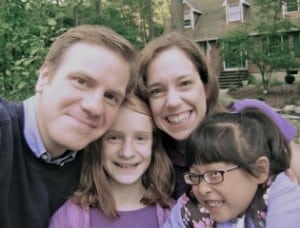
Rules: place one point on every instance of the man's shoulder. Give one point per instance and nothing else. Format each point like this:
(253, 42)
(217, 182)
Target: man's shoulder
(8, 109)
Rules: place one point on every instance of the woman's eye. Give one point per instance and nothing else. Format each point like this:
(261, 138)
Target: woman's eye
(185, 83)
(155, 92)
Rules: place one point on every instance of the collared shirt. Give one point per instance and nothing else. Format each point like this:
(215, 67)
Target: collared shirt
(33, 137)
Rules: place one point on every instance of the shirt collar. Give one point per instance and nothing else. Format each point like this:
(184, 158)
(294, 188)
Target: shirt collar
(33, 137)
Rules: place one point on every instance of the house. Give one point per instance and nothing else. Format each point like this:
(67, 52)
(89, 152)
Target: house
(206, 21)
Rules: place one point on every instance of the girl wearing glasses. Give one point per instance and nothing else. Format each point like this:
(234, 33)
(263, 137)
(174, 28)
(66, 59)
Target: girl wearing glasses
(126, 178)
(237, 166)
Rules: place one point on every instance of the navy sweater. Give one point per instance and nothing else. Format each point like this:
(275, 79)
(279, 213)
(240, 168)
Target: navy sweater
(30, 189)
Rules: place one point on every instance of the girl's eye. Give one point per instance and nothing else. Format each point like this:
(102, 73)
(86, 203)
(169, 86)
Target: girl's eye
(113, 138)
(142, 138)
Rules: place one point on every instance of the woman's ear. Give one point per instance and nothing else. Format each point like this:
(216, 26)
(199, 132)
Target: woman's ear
(262, 169)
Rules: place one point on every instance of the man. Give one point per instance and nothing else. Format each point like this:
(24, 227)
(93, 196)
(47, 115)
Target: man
(84, 79)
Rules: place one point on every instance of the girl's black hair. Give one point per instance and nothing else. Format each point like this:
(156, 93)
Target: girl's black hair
(240, 138)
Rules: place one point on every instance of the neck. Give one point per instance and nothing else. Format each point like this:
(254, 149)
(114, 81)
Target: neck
(54, 150)
(180, 146)
(127, 197)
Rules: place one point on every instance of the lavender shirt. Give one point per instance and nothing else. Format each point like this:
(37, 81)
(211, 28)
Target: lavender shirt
(144, 217)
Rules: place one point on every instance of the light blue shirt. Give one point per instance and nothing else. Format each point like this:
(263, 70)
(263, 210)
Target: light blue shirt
(33, 137)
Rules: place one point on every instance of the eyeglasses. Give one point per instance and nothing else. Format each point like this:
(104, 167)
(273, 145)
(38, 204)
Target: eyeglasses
(210, 177)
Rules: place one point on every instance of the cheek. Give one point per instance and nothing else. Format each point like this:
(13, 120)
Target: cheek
(109, 151)
(155, 105)
(145, 151)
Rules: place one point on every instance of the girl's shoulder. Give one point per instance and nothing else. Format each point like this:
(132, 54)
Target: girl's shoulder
(70, 215)
(283, 203)
(192, 213)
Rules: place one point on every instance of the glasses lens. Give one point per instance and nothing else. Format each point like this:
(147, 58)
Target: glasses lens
(213, 177)
(191, 178)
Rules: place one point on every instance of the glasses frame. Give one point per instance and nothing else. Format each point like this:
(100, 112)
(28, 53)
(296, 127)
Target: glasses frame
(204, 176)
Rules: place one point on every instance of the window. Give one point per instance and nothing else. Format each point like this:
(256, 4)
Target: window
(234, 12)
(187, 20)
(292, 5)
(234, 57)
(296, 38)
(187, 23)
(274, 44)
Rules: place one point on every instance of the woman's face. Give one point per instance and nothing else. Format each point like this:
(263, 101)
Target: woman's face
(176, 93)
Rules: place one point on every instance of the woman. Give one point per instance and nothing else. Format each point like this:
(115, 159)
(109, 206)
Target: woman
(174, 78)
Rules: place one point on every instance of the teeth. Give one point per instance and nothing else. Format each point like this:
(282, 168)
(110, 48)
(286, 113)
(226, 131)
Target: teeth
(125, 166)
(218, 203)
(178, 118)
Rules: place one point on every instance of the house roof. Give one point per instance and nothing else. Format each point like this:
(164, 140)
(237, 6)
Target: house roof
(211, 25)
(193, 7)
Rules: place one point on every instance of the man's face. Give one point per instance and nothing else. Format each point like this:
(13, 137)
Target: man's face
(80, 100)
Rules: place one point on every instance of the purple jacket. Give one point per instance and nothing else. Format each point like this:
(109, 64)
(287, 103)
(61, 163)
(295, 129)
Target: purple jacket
(287, 129)
(71, 215)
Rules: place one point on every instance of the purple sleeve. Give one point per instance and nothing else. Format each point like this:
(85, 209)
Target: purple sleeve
(70, 215)
(287, 129)
(283, 203)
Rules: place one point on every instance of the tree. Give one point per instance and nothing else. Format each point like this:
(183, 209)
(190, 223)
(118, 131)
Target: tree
(269, 48)
(176, 10)
(28, 28)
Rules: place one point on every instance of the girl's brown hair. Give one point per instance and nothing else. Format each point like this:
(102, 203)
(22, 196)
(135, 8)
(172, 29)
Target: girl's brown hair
(94, 188)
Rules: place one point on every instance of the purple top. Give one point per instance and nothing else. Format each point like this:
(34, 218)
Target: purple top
(71, 215)
(288, 130)
(146, 218)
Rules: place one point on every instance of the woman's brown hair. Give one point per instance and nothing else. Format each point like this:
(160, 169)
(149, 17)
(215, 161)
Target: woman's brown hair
(192, 51)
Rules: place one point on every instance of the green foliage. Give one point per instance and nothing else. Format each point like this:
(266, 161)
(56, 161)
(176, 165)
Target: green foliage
(27, 29)
(252, 80)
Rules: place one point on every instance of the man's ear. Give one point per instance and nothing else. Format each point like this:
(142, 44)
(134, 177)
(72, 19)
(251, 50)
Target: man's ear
(43, 78)
(262, 169)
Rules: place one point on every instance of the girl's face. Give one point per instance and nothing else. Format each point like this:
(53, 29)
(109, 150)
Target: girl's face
(228, 199)
(177, 94)
(127, 148)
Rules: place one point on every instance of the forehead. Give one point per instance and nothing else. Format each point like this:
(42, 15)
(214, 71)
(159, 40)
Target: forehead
(128, 120)
(170, 62)
(91, 54)
(202, 168)
(101, 64)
